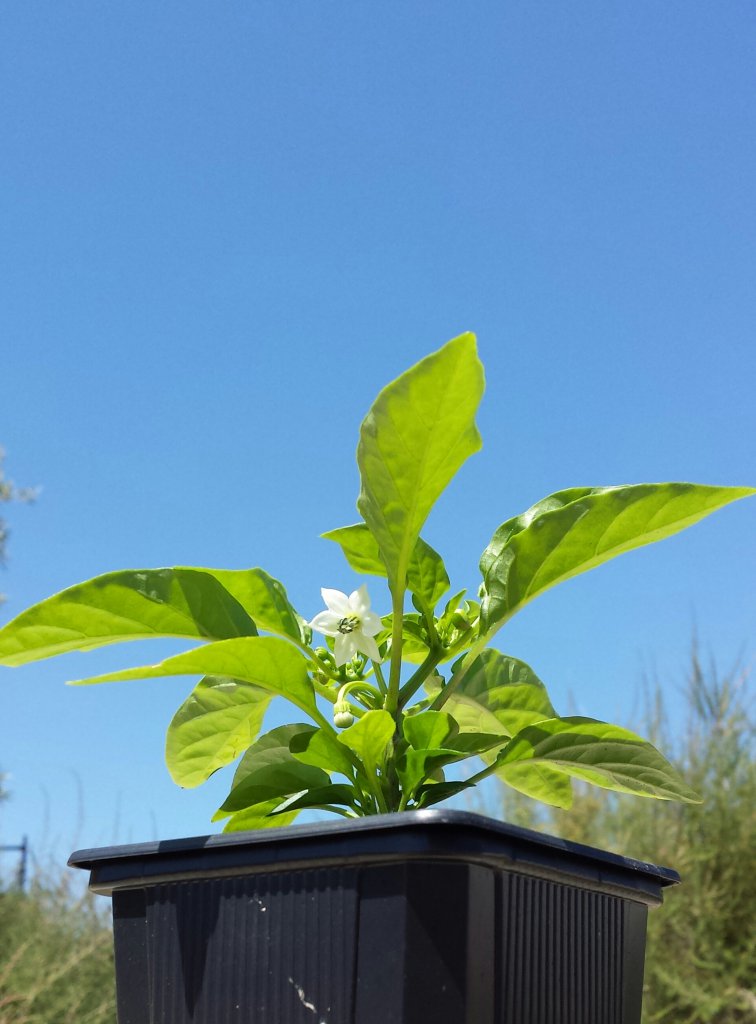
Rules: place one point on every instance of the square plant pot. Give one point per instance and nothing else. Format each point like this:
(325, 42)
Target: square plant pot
(425, 917)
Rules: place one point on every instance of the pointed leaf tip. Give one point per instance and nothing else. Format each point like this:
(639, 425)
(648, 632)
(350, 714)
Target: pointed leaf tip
(417, 434)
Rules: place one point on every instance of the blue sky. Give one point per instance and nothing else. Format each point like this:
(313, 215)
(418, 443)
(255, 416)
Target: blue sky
(226, 226)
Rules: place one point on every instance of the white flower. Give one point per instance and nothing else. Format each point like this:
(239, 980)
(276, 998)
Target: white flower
(352, 624)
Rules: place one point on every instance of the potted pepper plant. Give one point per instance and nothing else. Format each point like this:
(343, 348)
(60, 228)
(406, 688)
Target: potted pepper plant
(397, 918)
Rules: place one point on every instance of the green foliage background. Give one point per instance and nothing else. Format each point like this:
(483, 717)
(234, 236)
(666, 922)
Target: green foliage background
(56, 956)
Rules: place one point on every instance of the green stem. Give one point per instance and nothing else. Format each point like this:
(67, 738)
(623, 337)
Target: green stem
(488, 770)
(457, 678)
(360, 684)
(397, 610)
(379, 676)
(377, 792)
(324, 691)
(418, 677)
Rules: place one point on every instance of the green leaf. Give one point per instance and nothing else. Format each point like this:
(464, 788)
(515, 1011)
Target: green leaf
(497, 693)
(429, 729)
(264, 597)
(415, 766)
(269, 771)
(605, 755)
(575, 530)
(128, 605)
(435, 792)
(217, 722)
(470, 744)
(427, 578)
(413, 440)
(323, 750)
(139, 604)
(370, 737)
(337, 794)
(259, 816)
(539, 781)
(266, 661)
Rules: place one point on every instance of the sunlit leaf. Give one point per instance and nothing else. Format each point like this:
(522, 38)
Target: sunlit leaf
(269, 771)
(497, 693)
(417, 434)
(539, 781)
(139, 604)
(429, 729)
(265, 661)
(129, 605)
(605, 755)
(369, 737)
(426, 574)
(215, 724)
(575, 530)
(323, 750)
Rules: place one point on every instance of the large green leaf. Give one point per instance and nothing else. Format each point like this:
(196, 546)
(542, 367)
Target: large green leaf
(369, 738)
(266, 661)
(575, 530)
(264, 597)
(127, 605)
(217, 722)
(496, 694)
(605, 755)
(322, 749)
(269, 771)
(417, 434)
(138, 604)
(427, 578)
(539, 781)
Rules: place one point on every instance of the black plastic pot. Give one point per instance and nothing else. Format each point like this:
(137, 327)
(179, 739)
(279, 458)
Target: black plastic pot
(426, 917)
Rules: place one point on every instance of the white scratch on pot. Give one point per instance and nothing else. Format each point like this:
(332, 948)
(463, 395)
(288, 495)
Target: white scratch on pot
(304, 1001)
(259, 902)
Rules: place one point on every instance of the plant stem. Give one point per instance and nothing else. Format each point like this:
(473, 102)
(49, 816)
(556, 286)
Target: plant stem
(397, 610)
(417, 679)
(457, 678)
(479, 776)
(379, 677)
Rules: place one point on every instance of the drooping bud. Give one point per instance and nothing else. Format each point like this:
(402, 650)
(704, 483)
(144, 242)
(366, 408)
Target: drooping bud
(342, 714)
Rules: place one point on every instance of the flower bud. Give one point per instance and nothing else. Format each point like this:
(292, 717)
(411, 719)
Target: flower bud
(342, 714)
(324, 655)
(459, 619)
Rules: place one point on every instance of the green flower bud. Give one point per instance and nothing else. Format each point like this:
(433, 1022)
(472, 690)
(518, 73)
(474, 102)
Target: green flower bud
(324, 655)
(342, 714)
(459, 620)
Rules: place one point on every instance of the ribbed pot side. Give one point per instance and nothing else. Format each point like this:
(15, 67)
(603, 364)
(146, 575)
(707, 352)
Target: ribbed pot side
(426, 917)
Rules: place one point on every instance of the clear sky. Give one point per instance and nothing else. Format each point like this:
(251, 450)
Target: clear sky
(223, 227)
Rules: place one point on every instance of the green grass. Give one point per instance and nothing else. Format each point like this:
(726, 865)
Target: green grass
(56, 957)
(701, 953)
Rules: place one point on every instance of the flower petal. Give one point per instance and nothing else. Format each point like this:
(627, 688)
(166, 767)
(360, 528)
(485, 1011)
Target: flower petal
(336, 601)
(345, 648)
(370, 623)
(359, 600)
(326, 623)
(366, 645)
